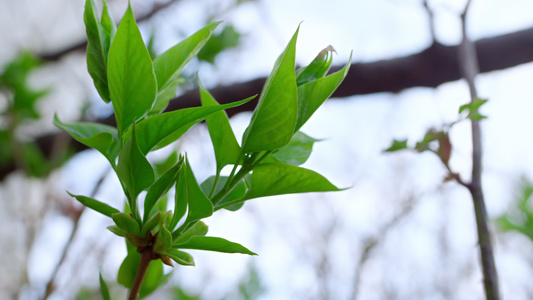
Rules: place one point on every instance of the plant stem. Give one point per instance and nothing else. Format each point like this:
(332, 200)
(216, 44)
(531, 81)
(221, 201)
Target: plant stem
(146, 258)
(469, 65)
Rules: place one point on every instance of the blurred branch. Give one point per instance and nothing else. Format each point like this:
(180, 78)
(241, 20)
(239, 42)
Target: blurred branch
(50, 286)
(468, 63)
(429, 68)
(82, 46)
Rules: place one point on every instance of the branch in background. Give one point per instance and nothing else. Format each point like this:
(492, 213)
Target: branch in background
(429, 68)
(50, 286)
(468, 63)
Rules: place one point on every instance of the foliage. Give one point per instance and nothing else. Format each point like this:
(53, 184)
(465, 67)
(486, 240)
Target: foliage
(265, 164)
(519, 217)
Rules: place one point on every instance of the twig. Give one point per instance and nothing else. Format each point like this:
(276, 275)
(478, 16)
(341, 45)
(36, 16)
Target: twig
(50, 286)
(469, 64)
(146, 258)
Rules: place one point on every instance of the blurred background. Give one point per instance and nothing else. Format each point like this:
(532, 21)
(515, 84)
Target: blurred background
(401, 230)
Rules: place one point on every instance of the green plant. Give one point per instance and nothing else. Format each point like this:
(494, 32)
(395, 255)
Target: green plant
(266, 163)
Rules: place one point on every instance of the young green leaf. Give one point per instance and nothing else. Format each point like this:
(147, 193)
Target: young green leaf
(132, 83)
(279, 179)
(318, 68)
(160, 188)
(296, 152)
(98, 39)
(227, 149)
(397, 145)
(109, 28)
(312, 94)
(228, 38)
(199, 229)
(117, 230)
(217, 244)
(126, 222)
(236, 193)
(101, 137)
(134, 171)
(103, 288)
(159, 131)
(168, 66)
(199, 205)
(182, 258)
(150, 224)
(96, 205)
(273, 121)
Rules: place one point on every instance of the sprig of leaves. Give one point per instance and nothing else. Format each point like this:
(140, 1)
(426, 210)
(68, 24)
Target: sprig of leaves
(266, 163)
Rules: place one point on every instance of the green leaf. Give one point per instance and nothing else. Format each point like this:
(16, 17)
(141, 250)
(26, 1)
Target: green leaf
(126, 222)
(227, 149)
(473, 109)
(98, 41)
(217, 244)
(101, 137)
(312, 94)
(151, 224)
(199, 205)
(109, 28)
(397, 145)
(103, 288)
(96, 205)
(132, 83)
(168, 66)
(160, 188)
(297, 151)
(199, 229)
(237, 193)
(228, 38)
(165, 237)
(159, 131)
(274, 118)
(279, 179)
(134, 171)
(117, 230)
(182, 258)
(317, 68)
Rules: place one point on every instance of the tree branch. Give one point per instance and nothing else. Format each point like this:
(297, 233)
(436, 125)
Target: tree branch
(468, 62)
(429, 68)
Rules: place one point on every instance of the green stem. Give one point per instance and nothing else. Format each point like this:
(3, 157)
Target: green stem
(146, 258)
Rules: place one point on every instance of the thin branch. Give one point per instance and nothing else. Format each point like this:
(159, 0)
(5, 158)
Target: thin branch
(146, 258)
(50, 286)
(469, 65)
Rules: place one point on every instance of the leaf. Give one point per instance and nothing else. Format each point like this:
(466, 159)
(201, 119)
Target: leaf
(134, 171)
(126, 222)
(103, 288)
(98, 40)
(199, 205)
(117, 230)
(160, 188)
(159, 131)
(150, 224)
(227, 149)
(182, 258)
(317, 68)
(397, 145)
(312, 95)
(279, 179)
(132, 83)
(96, 205)
(101, 137)
(237, 193)
(217, 244)
(165, 237)
(297, 151)
(168, 65)
(228, 38)
(473, 109)
(274, 118)
(199, 229)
